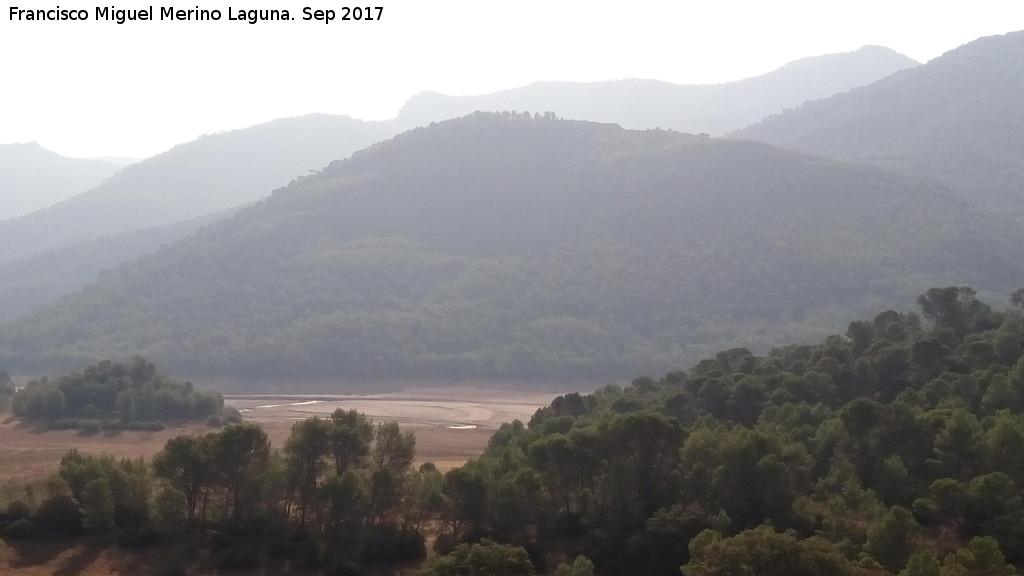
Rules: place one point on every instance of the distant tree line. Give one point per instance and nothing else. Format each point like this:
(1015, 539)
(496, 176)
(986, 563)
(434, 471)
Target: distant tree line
(114, 391)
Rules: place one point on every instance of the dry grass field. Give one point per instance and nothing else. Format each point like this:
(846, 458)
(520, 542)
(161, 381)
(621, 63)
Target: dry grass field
(451, 426)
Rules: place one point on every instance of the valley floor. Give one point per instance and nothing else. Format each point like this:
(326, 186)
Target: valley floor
(451, 426)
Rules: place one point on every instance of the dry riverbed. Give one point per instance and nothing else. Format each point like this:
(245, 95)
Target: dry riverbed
(451, 426)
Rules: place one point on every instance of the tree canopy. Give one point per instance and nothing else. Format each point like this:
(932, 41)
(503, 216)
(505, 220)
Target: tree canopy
(893, 449)
(108, 391)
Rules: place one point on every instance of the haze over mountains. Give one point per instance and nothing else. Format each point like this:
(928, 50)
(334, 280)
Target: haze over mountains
(32, 177)
(640, 104)
(514, 246)
(45, 277)
(214, 173)
(52, 252)
(507, 245)
(958, 119)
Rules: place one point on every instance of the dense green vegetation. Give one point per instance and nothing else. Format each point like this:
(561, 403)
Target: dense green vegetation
(517, 245)
(6, 390)
(113, 392)
(48, 255)
(44, 278)
(341, 493)
(894, 449)
(956, 119)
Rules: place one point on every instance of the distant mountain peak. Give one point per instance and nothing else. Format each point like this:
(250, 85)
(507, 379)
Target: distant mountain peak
(957, 119)
(647, 103)
(33, 177)
(508, 245)
(214, 172)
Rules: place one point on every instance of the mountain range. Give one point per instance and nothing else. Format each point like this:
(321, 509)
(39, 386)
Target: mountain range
(522, 246)
(53, 252)
(957, 119)
(214, 173)
(637, 103)
(30, 283)
(32, 177)
(526, 245)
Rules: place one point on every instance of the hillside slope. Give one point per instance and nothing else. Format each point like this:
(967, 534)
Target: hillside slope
(211, 174)
(32, 177)
(712, 109)
(492, 245)
(957, 119)
(223, 171)
(44, 278)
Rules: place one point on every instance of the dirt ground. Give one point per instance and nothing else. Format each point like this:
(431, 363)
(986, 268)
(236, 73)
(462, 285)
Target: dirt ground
(451, 426)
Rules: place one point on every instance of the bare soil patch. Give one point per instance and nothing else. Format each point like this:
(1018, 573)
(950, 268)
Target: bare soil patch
(28, 453)
(451, 426)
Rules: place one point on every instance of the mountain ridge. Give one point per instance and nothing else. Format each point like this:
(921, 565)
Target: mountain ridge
(695, 108)
(955, 119)
(501, 245)
(213, 173)
(32, 177)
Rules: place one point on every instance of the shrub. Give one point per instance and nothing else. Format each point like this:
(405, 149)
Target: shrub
(59, 514)
(238, 557)
(220, 541)
(306, 553)
(137, 538)
(445, 543)
(231, 415)
(22, 529)
(18, 510)
(393, 543)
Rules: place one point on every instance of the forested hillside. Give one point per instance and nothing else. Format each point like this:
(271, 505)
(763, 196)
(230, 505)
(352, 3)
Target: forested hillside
(213, 173)
(32, 282)
(957, 119)
(712, 108)
(221, 172)
(895, 448)
(520, 245)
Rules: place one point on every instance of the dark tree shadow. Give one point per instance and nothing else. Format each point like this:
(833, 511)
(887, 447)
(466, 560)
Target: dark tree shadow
(27, 553)
(80, 561)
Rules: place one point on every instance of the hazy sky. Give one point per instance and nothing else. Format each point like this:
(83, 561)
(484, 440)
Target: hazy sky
(97, 88)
